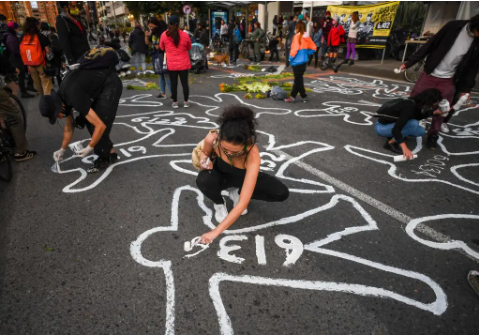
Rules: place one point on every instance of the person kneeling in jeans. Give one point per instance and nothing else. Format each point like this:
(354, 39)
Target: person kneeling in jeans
(400, 118)
(236, 162)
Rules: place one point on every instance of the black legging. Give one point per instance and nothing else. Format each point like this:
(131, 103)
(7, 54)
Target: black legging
(315, 57)
(212, 182)
(298, 85)
(174, 84)
(274, 51)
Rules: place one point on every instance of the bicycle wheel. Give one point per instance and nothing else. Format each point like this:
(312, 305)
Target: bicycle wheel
(5, 167)
(412, 74)
(245, 51)
(16, 101)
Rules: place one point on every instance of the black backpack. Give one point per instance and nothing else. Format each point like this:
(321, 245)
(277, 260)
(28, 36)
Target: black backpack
(3, 44)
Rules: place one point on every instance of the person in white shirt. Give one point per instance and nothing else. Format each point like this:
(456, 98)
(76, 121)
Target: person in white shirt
(351, 41)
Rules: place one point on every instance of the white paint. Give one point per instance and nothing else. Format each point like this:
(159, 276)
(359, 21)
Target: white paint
(292, 246)
(452, 244)
(125, 153)
(226, 328)
(226, 250)
(392, 171)
(260, 249)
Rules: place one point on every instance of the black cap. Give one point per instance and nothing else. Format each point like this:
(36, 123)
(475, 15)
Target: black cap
(173, 19)
(51, 106)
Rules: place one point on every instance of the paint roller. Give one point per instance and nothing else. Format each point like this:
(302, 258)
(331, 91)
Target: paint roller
(189, 245)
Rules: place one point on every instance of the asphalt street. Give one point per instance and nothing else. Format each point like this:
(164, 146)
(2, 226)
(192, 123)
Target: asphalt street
(363, 245)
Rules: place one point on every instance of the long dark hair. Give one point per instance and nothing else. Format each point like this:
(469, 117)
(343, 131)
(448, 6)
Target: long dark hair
(237, 125)
(355, 17)
(427, 98)
(160, 24)
(31, 27)
(173, 32)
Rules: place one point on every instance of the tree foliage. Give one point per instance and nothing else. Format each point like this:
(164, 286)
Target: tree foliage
(146, 8)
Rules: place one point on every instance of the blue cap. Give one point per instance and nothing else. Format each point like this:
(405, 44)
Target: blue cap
(173, 19)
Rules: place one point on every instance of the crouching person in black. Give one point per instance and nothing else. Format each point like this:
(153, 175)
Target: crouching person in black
(94, 91)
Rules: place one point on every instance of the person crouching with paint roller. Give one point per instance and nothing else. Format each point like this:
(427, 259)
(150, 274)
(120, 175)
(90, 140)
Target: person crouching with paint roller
(230, 159)
(94, 91)
(399, 118)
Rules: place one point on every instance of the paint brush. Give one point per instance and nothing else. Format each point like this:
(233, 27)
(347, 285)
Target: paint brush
(189, 245)
(400, 158)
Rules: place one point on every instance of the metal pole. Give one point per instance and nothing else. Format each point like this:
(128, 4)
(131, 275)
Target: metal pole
(114, 15)
(265, 16)
(384, 53)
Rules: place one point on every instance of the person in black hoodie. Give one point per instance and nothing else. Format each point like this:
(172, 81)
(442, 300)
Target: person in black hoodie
(400, 118)
(233, 46)
(452, 65)
(139, 49)
(12, 42)
(71, 32)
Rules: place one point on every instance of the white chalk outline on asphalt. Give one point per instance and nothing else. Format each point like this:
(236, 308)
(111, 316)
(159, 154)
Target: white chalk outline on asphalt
(437, 307)
(401, 217)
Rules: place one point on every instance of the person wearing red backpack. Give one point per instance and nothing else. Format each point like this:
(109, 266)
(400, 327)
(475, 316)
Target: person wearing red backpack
(34, 47)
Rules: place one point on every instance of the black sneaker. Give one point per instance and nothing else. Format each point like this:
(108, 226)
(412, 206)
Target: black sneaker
(161, 96)
(25, 156)
(99, 165)
(113, 158)
(432, 142)
(32, 89)
(394, 147)
(26, 95)
(351, 62)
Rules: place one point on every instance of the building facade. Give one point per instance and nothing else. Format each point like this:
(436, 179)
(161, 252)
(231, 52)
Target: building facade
(44, 11)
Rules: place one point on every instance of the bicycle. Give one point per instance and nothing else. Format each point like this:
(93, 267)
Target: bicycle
(7, 143)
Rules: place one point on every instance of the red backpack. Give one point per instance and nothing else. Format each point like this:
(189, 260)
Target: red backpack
(31, 51)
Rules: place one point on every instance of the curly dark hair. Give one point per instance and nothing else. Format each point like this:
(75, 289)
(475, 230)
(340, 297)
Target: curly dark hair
(427, 98)
(237, 125)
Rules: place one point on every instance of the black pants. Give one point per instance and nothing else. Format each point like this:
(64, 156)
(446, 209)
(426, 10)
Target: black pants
(174, 84)
(212, 182)
(298, 85)
(106, 106)
(288, 49)
(273, 52)
(233, 47)
(18, 63)
(315, 57)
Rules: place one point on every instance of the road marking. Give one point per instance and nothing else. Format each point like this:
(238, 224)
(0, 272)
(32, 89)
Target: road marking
(394, 213)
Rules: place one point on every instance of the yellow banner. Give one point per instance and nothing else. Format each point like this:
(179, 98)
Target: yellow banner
(376, 22)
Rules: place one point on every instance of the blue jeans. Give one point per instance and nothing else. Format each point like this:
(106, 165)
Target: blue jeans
(412, 128)
(164, 80)
(138, 60)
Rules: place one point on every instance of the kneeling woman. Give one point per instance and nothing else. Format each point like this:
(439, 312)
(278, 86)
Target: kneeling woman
(400, 118)
(236, 163)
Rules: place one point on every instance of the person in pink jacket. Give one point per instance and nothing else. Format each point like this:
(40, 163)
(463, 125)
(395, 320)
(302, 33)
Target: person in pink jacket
(176, 45)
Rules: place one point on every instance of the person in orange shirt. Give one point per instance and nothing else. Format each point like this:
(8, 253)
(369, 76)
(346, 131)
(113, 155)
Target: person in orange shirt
(301, 48)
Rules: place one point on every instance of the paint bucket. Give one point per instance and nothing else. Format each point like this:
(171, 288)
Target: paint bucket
(76, 147)
(444, 106)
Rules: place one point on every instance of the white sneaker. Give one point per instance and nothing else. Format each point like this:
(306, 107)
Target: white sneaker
(174, 105)
(221, 212)
(444, 128)
(235, 197)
